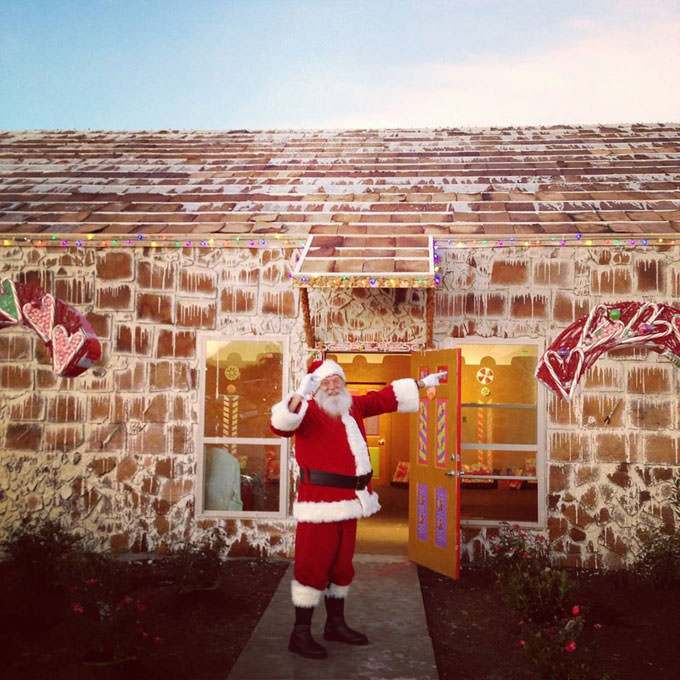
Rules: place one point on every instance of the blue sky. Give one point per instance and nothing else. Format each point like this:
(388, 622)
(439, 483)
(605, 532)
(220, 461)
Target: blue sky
(209, 64)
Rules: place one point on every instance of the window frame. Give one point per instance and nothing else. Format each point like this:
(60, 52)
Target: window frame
(541, 448)
(282, 443)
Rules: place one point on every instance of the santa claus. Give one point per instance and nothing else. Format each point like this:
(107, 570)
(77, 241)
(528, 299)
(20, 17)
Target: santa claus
(334, 491)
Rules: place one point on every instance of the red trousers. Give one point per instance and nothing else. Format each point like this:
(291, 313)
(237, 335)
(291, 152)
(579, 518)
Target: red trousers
(324, 552)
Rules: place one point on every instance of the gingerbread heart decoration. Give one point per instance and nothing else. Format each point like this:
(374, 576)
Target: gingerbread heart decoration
(591, 322)
(66, 349)
(10, 309)
(41, 316)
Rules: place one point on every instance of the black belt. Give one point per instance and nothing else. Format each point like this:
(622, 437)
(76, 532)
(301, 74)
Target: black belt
(321, 478)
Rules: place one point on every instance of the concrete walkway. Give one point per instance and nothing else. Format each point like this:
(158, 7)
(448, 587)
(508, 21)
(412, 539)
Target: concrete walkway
(385, 603)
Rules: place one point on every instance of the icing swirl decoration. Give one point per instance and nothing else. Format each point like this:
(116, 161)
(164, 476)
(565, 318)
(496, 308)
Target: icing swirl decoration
(72, 342)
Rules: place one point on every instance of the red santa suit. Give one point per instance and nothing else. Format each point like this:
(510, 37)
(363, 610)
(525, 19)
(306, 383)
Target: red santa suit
(326, 530)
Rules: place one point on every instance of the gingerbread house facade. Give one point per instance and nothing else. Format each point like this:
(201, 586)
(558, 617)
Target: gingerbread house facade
(211, 266)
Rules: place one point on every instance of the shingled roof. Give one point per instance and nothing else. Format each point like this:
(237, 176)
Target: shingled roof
(342, 187)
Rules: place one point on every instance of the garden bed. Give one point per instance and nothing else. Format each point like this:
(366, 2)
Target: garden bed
(198, 632)
(477, 637)
(178, 632)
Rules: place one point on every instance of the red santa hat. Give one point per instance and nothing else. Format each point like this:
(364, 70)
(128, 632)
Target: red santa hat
(326, 368)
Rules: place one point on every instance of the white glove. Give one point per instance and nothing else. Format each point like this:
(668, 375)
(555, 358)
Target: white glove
(433, 379)
(309, 384)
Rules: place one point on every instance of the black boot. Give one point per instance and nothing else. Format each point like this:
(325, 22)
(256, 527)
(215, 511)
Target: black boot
(336, 628)
(301, 640)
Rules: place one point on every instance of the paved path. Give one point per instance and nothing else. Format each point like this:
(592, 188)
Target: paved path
(385, 602)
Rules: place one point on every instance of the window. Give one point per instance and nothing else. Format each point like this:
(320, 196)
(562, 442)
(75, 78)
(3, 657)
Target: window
(242, 468)
(499, 433)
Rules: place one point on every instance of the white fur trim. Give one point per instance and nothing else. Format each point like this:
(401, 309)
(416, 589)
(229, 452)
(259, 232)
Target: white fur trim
(282, 419)
(406, 392)
(327, 511)
(357, 445)
(334, 590)
(328, 368)
(369, 502)
(304, 596)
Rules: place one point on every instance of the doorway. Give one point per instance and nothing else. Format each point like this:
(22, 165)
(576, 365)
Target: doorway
(388, 445)
(501, 456)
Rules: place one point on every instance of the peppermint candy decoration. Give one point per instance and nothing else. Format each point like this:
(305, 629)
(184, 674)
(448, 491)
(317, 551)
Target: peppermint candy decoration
(485, 375)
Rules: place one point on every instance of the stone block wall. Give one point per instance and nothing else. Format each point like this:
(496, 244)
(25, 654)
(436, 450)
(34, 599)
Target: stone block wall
(608, 482)
(112, 452)
(114, 449)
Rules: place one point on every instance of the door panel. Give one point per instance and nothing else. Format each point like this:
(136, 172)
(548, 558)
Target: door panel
(434, 487)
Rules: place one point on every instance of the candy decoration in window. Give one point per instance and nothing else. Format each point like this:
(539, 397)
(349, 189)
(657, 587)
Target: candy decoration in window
(655, 326)
(72, 342)
(485, 375)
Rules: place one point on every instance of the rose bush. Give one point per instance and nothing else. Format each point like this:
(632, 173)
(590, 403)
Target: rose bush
(551, 626)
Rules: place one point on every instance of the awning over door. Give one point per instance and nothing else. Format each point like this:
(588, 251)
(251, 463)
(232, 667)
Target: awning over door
(332, 262)
(366, 262)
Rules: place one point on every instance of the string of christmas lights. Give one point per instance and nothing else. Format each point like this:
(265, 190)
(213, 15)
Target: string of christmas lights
(577, 240)
(168, 241)
(157, 241)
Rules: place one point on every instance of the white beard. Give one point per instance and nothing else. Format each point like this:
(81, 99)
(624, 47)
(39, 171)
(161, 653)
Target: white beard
(336, 405)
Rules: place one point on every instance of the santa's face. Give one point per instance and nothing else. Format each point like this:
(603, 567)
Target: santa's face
(333, 396)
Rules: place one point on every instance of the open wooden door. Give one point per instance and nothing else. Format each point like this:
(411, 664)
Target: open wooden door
(434, 484)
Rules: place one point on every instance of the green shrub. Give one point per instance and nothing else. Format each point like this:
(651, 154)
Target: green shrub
(197, 567)
(659, 561)
(555, 650)
(529, 584)
(552, 627)
(41, 551)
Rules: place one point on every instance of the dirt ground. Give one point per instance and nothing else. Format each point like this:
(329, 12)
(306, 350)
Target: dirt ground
(202, 633)
(476, 637)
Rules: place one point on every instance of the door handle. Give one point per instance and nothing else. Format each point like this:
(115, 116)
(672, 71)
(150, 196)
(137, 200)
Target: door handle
(451, 473)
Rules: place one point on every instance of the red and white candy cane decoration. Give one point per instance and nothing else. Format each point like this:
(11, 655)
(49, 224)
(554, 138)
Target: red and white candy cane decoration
(608, 326)
(69, 336)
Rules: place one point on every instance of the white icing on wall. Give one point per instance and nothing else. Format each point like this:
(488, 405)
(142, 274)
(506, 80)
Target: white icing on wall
(126, 478)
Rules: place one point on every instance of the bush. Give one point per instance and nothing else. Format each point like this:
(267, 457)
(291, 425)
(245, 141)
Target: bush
(41, 552)
(106, 624)
(109, 624)
(521, 564)
(197, 568)
(659, 562)
(551, 626)
(555, 651)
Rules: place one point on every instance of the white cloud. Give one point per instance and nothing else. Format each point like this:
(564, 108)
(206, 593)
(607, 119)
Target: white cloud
(611, 73)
